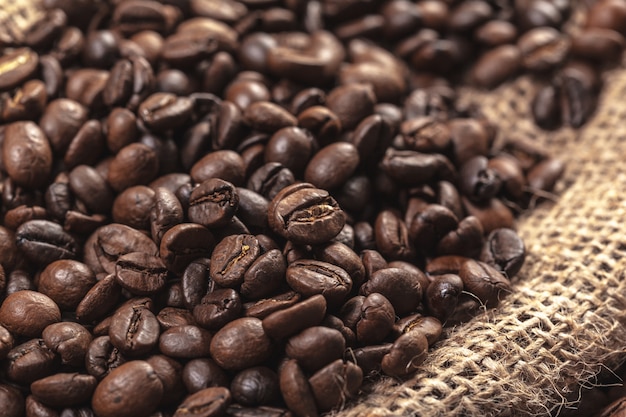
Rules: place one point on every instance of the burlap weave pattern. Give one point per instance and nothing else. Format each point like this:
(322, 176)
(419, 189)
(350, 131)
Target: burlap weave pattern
(565, 321)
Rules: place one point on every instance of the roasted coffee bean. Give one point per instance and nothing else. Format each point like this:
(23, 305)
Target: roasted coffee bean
(255, 386)
(169, 372)
(296, 390)
(492, 215)
(466, 240)
(608, 14)
(21, 214)
(543, 48)
(264, 276)
(442, 295)
(578, 82)
(135, 164)
(6, 342)
(133, 205)
(27, 313)
(446, 264)
(428, 226)
(505, 251)
(351, 103)
(427, 325)
(406, 355)
(184, 243)
(213, 203)
(132, 389)
(64, 389)
(392, 236)
(217, 308)
(478, 182)
(401, 287)
(305, 214)
(332, 165)
(497, 65)
(269, 179)
(185, 342)
(140, 273)
(27, 154)
(485, 282)
(13, 401)
(99, 300)
(209, 402)
(30, 361)
(108, 243)
(309, 277)
(102, 357)
(69, 340)
(241, 344)
(199, 374)
(27, 103)
(322, 122)
(66, 282)
(225, 164)
(263, 308)
(134, 329)
(16, 67)
(285, 323)
(232, 257)
(545, 174)
(162, 111)
(86, 86)
(315, 347)
(91, 189)
(334, 383)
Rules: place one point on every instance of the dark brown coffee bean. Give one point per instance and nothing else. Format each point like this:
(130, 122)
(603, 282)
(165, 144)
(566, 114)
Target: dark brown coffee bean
(406, 355)
(225, 164)
(99, 300)
(132, 389)
(322, 122)
(27, 313)
(414, 168)
(496, 33)
(543, 48)
(442, 295)
(232, 257)
(469, 138)
(492, 215)
(184, 243)
(334, 383)
(392, 236)
(26, 154)
(218, 308)
(268, 117)
(213, 203)
(544, 175)
(315, 347)
(186, 49)
(134, 329)
(351, 103)
(135, 164)
(496, 66)
(6, 342)
(426, 325)
(477, 181)
(64, 389)
(264, 276)
(332, 165)
(61, 121)
(16, 67)
(163, 111)
(69, 340)
(469, 15)
(185, 342)
(140, 273)
(166, 213)
(86, 86)
(14, 218)
(578, 82)
(108, 243)
(446, 264)
(505, 251)
(269, 179)
(310, 277)
(199, 374)
(169, 372)
(401, 287)
(13, 400)
(296, 390)
(87, 146)
(291, 320)
(91, 188)
(252, 209)
(255, 386)
(27, 103)
(609, 14)
(66, 282)
(304, 214)
(263, 308)
(209, 402)
(465, 240)
(317, 62)
(428, 226)
(241, 344)
(30, 361)
(485, 282)
(102, 357)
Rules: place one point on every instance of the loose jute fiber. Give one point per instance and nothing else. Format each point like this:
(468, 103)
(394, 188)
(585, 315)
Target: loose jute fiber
(565, 321)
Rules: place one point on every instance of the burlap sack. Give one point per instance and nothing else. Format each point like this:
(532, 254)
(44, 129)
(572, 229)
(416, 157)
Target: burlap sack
(564, 323)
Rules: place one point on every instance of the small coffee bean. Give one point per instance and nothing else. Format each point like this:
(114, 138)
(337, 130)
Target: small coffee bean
(543, 48)
(13, 400)
(185, 342)
(497, 65)
(209, 402)
(140, 273)
(213, 203)
(134, 329)
(332, 165)
(64, 389)
(442, 295)
(406, 355)
(102, 357)
(16, 67)
(264, 276)
(132, 389)
(255, 386)
(30, 361)
(305, 214)
(401, 287)
(199, 374)
(28, 313)
(218, 308)
(427, 325)
(241, 344)
(485, 282)
(334, 383)
(232, 257)
(68, 340)
(184, 243)
(392, 236)
(505, 251)
(99, 300)
(310, 277)
(27, 154)
(315, 347)
(296, 390)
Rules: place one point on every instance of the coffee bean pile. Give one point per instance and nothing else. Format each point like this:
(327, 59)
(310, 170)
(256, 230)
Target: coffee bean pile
(249, 208)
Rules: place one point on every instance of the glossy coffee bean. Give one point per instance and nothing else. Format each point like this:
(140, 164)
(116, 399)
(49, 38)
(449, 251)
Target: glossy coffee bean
(28, 313)
(241, 344)
(255, 386)
(64, 389)
(328, 394)
(185, 342)
(213, 203)
(310, 277)
(209, 402)
(68, 340)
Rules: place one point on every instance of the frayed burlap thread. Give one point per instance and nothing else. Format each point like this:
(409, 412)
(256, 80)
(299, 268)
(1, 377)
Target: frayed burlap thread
(565, 322)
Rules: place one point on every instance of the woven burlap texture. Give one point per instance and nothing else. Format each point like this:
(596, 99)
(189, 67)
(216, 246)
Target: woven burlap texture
(565, 321)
